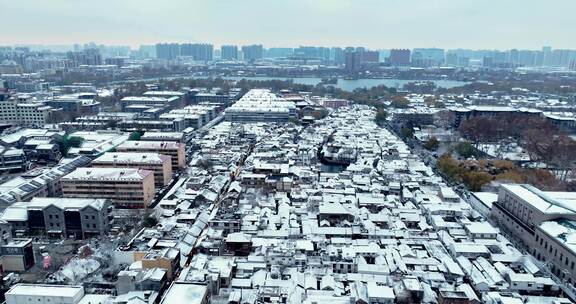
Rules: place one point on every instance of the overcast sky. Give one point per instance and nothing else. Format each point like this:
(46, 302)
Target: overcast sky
(478, 24)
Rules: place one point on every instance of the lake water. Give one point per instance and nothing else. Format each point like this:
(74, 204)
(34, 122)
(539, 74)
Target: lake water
(350, 85)
(344, 84)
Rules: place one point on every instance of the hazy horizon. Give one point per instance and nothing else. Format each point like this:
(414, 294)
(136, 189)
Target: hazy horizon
(449, 24)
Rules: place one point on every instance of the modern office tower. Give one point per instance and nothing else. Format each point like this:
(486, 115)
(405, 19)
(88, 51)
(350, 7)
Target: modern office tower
(168, 51)
(198, 51)
(399, 57)
(252, 52)
(229, 52)
(173, 149)
(126, 188)
(160, 164)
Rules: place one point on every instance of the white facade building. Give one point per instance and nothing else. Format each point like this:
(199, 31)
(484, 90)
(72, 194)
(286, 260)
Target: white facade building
(14, 111)
(44, 294)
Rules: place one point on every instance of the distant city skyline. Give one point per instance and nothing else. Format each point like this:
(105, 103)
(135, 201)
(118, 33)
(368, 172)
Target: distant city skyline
(60, 47)
(376, 24)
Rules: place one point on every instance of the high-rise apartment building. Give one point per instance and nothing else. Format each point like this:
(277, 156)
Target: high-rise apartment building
(426, 57)
(353, 61)
(370, 56)
(90, 56)
(546, 55)
(312, 52)
(146, 51)
(279, 52)
(168, 51)
(229, 52)
(452, 59)
(252, 52)
(337, 55)
(198, 51)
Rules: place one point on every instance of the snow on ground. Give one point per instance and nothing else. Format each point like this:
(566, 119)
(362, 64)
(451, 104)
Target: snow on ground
(511, 151)
(77, 270)
(105, 93)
